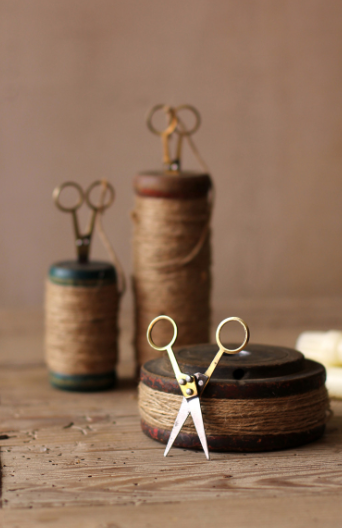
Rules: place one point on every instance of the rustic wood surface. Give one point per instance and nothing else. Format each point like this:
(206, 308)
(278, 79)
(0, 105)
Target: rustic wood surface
(70, 459)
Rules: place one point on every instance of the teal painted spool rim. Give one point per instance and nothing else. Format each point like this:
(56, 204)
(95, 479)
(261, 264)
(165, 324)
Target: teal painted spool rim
(74, 273)
(83, 382)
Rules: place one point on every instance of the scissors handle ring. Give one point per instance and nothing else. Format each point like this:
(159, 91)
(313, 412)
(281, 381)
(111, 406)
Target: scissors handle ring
(188, 132)
(150, 328)
(218, 332)
(171, 126)
(111, 195)
(57, 192)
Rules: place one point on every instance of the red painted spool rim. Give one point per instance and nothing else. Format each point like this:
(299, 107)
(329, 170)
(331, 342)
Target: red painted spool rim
(183, 185)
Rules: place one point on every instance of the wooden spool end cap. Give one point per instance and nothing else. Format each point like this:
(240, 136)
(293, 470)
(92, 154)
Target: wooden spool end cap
(74, 273)
(181, 185)
(259, 371)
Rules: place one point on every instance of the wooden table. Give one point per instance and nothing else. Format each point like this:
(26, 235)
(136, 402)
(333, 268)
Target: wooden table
(81, 460)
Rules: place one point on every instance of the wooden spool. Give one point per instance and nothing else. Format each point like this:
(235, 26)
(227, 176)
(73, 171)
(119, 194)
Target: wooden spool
(259, 372)
(90, 275)
(150, 300)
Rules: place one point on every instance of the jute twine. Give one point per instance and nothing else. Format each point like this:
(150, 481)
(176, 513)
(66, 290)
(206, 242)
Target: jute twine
(171, 247)
(81, 328)
(291, 414)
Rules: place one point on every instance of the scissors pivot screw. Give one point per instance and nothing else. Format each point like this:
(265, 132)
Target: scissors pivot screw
(189, 391)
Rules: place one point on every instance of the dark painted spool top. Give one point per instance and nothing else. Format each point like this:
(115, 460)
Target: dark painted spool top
(182, 185)
(74, 273)
(259, 371)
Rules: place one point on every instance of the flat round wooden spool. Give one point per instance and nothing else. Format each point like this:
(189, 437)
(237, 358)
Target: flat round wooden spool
(258, 372)
(71, 273)
(180, 185)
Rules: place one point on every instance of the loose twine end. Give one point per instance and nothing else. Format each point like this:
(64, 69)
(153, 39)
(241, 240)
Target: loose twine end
(108, 246)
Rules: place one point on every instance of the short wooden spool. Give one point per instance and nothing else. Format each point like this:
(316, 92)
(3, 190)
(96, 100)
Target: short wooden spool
(259, 373)
(76, 275)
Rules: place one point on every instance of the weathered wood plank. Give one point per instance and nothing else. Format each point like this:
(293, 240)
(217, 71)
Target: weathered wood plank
(277, 512)
(80, 450)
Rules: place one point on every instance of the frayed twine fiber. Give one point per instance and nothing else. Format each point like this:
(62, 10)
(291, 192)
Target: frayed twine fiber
(172, 258)
(271, 416)
(81, 328)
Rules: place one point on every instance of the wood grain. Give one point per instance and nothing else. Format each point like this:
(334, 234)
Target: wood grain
(276, 512)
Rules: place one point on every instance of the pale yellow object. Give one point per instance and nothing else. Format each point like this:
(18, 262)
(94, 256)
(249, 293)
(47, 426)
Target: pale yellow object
(334, 382)
(326, 348)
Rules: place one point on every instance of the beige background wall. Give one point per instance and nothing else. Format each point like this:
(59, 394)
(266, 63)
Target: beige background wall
(76, 80)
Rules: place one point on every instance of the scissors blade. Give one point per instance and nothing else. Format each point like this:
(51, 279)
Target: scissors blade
(196, 413)
(182, 415)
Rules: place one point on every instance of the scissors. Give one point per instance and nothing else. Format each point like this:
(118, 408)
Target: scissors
(83, 241)
(192, 385)
(175, 125)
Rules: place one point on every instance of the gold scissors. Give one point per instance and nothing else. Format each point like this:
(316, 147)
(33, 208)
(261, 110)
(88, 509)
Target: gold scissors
(83, 241)
(175, 125)
(192, 385)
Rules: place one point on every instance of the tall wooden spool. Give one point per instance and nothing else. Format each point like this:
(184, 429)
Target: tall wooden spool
(261, 399)
(172, 253)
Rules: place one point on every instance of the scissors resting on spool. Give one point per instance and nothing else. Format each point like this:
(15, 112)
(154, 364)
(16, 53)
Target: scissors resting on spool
(83, 241)
(192, 385)
(174, 125)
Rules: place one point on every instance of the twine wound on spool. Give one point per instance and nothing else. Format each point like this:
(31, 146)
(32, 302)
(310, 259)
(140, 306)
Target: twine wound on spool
(81, 324)
(269, 416)
(172, 268)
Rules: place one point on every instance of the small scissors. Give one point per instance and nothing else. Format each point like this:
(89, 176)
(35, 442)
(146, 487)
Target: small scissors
(83, 241)
(192, 385)
(175, 124)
